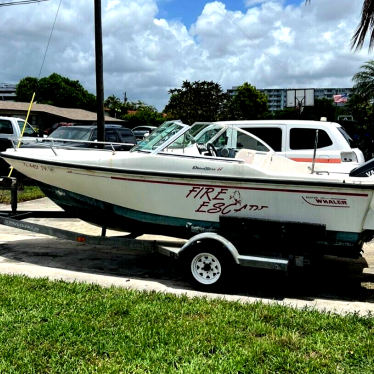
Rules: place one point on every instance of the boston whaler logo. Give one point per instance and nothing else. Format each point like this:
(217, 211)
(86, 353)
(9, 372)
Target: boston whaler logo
(331, 202)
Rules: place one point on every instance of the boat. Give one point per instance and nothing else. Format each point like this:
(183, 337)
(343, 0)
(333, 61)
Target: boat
(168, 185)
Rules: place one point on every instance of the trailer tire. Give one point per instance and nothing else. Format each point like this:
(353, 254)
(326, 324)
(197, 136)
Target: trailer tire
(208, 269)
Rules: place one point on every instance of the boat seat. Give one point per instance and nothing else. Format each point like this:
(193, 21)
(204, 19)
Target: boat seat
(265, 164)
(247, 155)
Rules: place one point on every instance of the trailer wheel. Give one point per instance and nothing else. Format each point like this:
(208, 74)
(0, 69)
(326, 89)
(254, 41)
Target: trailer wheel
(208, 269)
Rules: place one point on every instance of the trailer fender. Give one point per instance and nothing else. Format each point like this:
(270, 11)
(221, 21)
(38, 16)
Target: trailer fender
(211, 236)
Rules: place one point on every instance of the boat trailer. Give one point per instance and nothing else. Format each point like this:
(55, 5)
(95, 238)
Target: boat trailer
(208, 258)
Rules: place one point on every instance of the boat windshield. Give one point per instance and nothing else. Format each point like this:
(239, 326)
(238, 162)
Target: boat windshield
(176, 137)
(166, 135)
(198, 127)
(207, 132)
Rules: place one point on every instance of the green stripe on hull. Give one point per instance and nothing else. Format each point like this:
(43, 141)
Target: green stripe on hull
(110, 215)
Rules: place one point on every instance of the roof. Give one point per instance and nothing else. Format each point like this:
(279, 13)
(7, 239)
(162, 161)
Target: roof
(276, 122)
(69, 113)
(69, 128)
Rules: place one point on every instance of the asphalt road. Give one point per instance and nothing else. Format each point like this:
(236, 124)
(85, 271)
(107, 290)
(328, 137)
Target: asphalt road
(338, 285)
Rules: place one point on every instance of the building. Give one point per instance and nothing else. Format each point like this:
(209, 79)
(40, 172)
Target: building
(44, 116)
(277, 97)
(7, 91)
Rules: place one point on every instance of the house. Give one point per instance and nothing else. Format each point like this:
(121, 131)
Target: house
(43, 116)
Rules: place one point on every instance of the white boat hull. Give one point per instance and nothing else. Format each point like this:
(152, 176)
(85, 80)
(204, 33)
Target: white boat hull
(198, 198)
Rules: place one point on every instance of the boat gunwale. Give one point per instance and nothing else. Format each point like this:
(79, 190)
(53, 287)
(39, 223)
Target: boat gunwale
(114, 170)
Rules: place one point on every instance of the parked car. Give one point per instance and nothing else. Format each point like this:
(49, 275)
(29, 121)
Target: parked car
(295, 139)
(10, 130)
(141, 131)
(55, 126)
(65, 136)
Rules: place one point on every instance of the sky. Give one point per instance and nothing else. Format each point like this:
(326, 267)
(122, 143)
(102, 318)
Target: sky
(152, 46)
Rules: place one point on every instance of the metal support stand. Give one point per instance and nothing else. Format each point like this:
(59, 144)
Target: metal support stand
(10, 184)
(14, 198)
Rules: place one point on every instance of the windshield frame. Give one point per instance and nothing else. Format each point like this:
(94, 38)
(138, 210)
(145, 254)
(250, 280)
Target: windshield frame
(150, 144)
(160, 139)
(222, 128)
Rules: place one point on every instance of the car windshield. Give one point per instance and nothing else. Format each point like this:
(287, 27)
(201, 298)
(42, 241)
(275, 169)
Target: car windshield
(29, 131)
(71, 133)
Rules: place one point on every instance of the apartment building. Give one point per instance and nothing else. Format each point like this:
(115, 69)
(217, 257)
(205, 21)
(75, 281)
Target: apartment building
(277, 97)
(7, 91)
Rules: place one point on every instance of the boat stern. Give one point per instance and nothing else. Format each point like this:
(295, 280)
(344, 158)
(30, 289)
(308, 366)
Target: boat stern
(369, 222)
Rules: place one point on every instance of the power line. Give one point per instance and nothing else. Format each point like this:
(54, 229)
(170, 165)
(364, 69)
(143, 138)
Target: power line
(50, 37)
(21, 2)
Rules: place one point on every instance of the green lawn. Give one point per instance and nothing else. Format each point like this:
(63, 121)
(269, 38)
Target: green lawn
(57, 327)
(25, 194)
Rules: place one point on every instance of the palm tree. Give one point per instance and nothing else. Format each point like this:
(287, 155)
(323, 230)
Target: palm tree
(366, 25)
(114, 104)
(364, 81)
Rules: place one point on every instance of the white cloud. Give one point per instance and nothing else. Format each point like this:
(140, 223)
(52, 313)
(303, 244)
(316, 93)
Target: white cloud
(112, 4)
(249, 3)
(283, 34)
(271, 45)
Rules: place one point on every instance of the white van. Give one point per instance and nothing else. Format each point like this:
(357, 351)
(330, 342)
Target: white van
(296, 139)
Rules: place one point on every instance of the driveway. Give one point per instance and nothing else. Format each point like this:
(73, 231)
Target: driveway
(337, 285)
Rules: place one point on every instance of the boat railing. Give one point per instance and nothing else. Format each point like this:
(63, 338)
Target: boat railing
(92, 145)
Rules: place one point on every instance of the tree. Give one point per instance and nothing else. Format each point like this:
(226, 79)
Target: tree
(142, 114)
(361, 109)
(140, 106)
(114, 104)
(144, 117)
(56, 90)
(26, 88)
(286, 113)
(322, 108)
(366, 24)
(364, 81)
(248, 104)
(196, 102)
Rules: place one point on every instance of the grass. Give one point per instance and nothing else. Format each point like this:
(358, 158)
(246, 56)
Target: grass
(58, 327)
(25, 194)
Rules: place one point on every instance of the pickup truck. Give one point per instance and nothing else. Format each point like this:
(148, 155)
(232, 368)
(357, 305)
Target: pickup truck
(11, 129)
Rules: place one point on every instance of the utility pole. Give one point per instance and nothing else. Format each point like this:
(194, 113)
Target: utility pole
(99, 73)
